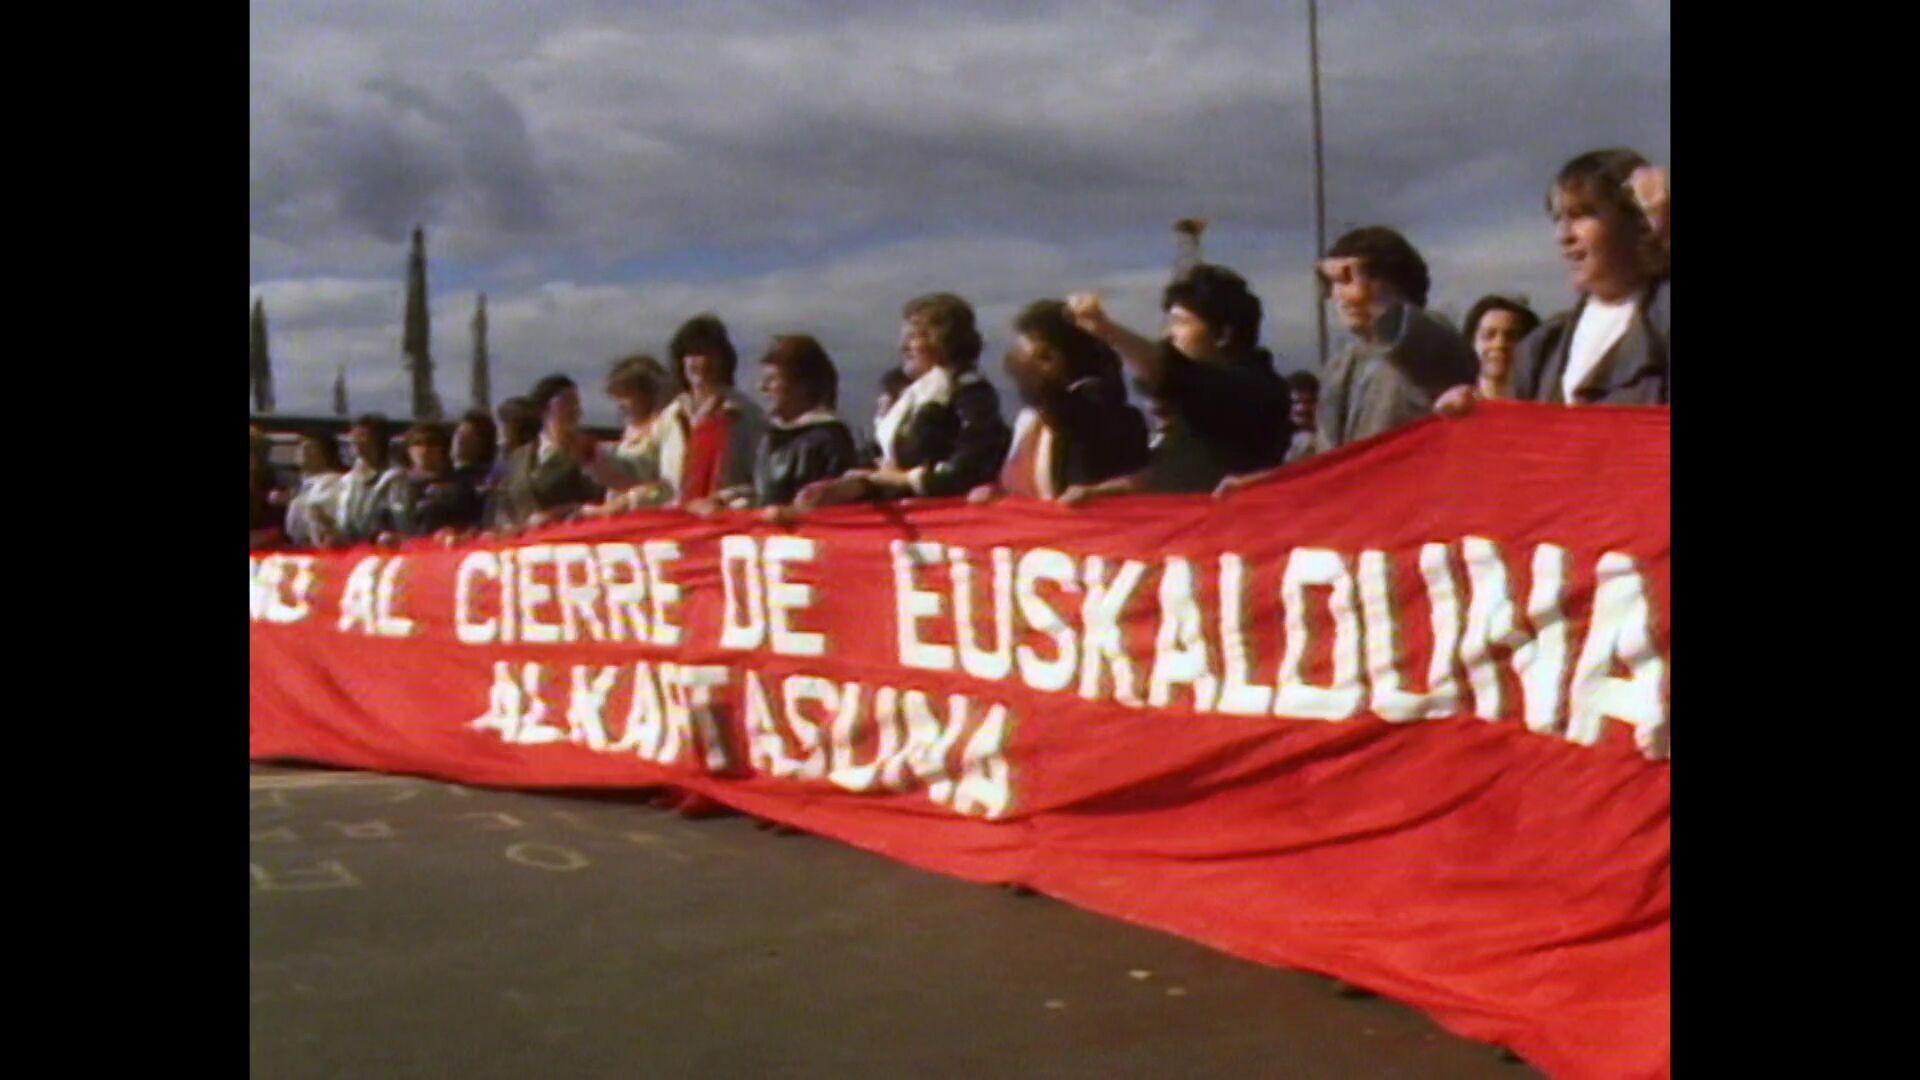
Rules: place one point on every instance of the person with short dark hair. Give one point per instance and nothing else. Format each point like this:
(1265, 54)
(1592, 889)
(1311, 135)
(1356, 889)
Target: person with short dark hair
(519, 423)
(1403, 358)
(1303, 388)
(434, 499)
(545, 480)
(1076, 427)
(631, 470)
(1210, 368)
(1495, 326)
(719, 427)
(944, 435)
(1612, 216)
(476, 446)
(369, 485)
(805, 441)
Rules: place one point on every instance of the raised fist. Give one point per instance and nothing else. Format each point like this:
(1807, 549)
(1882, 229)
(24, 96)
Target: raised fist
(1088, 312)
(1652, 189)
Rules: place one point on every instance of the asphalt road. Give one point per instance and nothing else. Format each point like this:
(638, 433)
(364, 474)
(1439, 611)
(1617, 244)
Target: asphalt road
(405, 928)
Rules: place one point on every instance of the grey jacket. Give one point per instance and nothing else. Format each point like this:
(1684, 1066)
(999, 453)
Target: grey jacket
(531, 485)
(1369, 388)
(1636, 371)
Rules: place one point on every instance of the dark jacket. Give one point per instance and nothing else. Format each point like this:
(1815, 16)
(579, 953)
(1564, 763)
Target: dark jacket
(1180, 462)
(952, 446)
(1636, 371)
(1371, 387)
(478, 477)
(425, 505)
(528, 487)
(817, 446)
(1236, 405)
(1097, 435)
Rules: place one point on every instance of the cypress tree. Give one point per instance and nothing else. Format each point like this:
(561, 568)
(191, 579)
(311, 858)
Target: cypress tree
(340, 391)
(415, 334)
(482, 382)
(259, 363)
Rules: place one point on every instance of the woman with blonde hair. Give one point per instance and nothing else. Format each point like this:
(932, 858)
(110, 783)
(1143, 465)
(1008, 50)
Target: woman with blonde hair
(633, 470)
(943, 435)
(1612, 219)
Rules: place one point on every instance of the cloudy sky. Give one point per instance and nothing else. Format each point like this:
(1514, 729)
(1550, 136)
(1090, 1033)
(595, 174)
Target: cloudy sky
(602, 170)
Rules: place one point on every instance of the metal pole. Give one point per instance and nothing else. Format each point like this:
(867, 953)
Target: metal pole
(1319, 177)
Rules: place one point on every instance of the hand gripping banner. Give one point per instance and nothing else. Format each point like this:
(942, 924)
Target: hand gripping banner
(1400, 715)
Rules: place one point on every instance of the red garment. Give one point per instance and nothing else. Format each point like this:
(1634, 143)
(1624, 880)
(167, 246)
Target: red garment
(1030, 466)
(1017, 475)
(706, 455)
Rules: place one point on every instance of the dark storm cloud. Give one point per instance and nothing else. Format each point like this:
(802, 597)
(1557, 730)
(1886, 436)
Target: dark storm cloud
(833, 121)
(851, 174)
(593, 165)
(396, 154)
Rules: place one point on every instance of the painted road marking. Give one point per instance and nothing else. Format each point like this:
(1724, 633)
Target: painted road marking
(301, 781)
(326, 874)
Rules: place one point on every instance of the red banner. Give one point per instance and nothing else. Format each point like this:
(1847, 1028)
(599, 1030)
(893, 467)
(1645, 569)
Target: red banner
(1400, 716)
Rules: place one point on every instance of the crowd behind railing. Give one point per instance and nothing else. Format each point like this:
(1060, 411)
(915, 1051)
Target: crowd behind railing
(1214, 414)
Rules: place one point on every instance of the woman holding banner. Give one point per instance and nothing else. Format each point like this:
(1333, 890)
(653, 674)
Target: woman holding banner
(805, 440)
(1613, 220)
(632, 470)
(1077, 427)
(944, 435)
(1495, 326)
(717, 426)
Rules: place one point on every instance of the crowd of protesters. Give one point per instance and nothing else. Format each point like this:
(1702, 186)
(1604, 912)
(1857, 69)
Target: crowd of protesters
(1212, 412)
